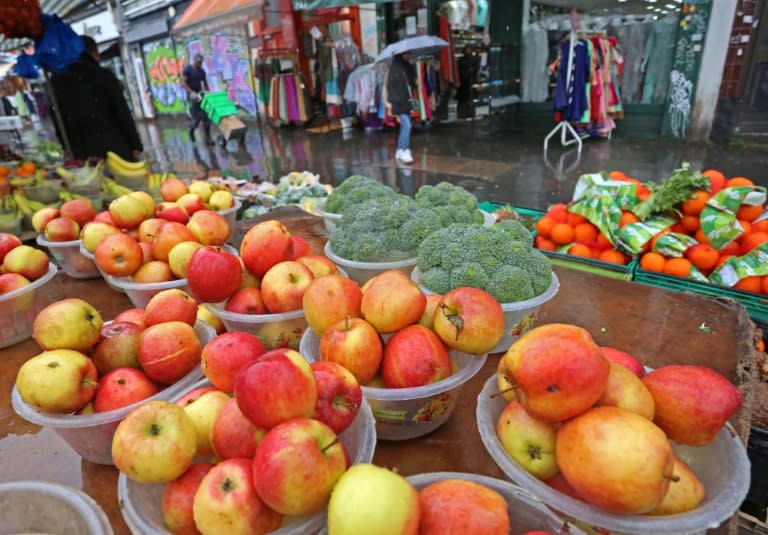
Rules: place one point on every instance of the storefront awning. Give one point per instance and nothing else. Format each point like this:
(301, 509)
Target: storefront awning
(62, 8)
(319, 4)
(205, 15)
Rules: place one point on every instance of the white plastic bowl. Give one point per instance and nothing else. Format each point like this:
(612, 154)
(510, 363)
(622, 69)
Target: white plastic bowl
(67, 255)
(723, 468)
(274, 330)
(12, 225)
(230, 214)
(19, 308)
(141, 292)
(90, 256)
(141, 504)
(361, 272)
(45, 507)
(519, 318)
(90, 435)
(330, 219)
(405, 413)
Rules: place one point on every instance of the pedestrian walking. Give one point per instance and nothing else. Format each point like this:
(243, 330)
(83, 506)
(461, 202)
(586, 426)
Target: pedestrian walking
(194, 80)
(400, 82)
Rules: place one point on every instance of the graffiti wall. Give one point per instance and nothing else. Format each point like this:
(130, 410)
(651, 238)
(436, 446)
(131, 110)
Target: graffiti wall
(164, 66)
(226, 65)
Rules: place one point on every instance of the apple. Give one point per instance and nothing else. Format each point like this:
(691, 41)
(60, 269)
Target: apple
(147, 256)
(529, 441)
(118, 346)
(221, 200)
(155, 443)
(684, 494)
(194, 394)
(319, 265)
(329, 299)
(692, 402)
(226, 355)
(105, 217)
(264, 245)
(172, 211)
(506, 388)
(209, 228)
(8, 242)
(355, 344)
(147, 202)
(67, 324)
(338, 395)
(301, 247)
(191, 203)
(169, 351)
(61, 229)
(127, 211)
(150, 228)
(213, 274)
(249, 279)
(173, 188)
(170, 305)
(95, 232)
(171, 234)
(153, 271)
(285, 456)
(226, 502)
(12, 281)
(560, 484)
(119, 255)
(178, 498)
(78, 210)
(392, 301)
(122, 387)
(132, 315)
(203, 412)
(559, 369)
(233, 435)
(205, 314)
(41, 218)
(277, 387)
(202, 189)
(246, 301)
(61, 381)
(625, 359)
(283, 286)
(375, 501)
(179, 257)
(27, 261)
(626, 390)
(428, 317)
(461, 507)
(415, 356)
(470, 320)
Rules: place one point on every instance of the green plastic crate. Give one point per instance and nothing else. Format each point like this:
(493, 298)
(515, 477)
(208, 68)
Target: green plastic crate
(219, 113)
(211, 100)
(756, 305)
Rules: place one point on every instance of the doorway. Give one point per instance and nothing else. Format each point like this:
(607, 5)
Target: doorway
(753, 116)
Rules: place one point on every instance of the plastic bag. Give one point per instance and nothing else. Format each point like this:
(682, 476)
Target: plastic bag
(26, 66)
(59, 46)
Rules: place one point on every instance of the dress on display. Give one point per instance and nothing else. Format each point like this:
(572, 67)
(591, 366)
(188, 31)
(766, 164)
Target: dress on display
(534, 77)
(571, 91)
(633, 38)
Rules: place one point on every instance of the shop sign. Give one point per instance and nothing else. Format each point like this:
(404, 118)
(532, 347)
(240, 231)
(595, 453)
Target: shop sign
(320, 4)
(101, 27)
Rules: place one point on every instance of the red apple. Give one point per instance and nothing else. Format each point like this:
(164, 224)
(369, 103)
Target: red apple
(392, 301)
(170, 305)
(61, 229)
(625, 359)
(301, 247)
(277, 387)
(203, 413)
(119, 255)
(169, 351)
(415, 356)
(41, 218)
(178, 497)
(204, 314)
(153, 271)
(67, 324)
(461, 507)
(27, 261)
(127, 211)
(338, 395)
(355, 344)
(209, 227)
(233, 435)
(191, 203)
(150, 228)
(193, 395)
(93, 233)
(105, 217)
(428, 317)
(147, 256)
(173, 188)
(330, 299)
(12, 281)
(264, 245)
(146, 201)
(118, 346)
(469, 320)
(7, 243)
(133, 315)
(319, 265)
(78, 210)
(213, 274)
(227, 354)
(246, 301)
(283, 286)
(122, 387)
(170, 235)
(60, 381)
(171, 211)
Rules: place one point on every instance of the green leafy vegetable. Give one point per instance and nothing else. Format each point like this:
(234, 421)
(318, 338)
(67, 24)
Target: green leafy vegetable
(672, 191)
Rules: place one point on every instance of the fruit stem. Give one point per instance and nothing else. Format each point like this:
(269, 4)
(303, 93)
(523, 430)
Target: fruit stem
(673, 478)
(454, 318)
(502, 392)
(330, 445)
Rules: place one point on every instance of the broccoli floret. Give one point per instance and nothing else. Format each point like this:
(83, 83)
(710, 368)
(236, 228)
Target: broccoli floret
(437, 280)
(353, 191)
(431, 250)
(472, 275)
(511, 284)
(452, 204)
(541, 272)
(516, 230)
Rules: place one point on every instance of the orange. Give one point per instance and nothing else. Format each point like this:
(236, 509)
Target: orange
(28, 167)
(4, 171)
(613, 256)
(545, 244)
(627, 218)
(617, 175)
(750, 213)
(732, 249)
(580, 250)
(24, 172)
(690, 223)
(750, 241)
(716, 180)
(576, 219)
(677, 227)
(760, 226)
(559, 207)
(585, 232)
(561, 234)
(678, 267)
(764, 284)
(738, 181)
(750, 284)
(643, 193)
(544, 226)
(723, 258)
(703, 256)
(653, 262)
(747, 226)
(696, 203)
(558, 216)
(701, 237)
(602, 241)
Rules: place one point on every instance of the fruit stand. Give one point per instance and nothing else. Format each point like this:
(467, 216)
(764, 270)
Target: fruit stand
(660, 327)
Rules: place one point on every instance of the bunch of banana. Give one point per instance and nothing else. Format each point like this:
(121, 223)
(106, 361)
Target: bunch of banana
(113, 189)
(35, 180)
(26, 206)
(8, 208)
(156, 179)
(125, 169)
(65, 196)
(85, 176)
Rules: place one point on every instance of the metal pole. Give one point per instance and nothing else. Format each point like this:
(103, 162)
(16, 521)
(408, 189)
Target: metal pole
(57, 113)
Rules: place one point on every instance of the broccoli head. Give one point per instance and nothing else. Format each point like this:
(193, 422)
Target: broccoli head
(516, 230)
(453, 204)
(511, 284)
(355, 190)
(437, 280)
(541, 271)
(471, 274)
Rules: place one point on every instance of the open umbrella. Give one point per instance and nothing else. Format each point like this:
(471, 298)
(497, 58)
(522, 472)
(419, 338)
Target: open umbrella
(421, 45)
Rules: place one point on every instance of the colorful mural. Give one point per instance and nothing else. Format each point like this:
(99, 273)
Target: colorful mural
(164, 68)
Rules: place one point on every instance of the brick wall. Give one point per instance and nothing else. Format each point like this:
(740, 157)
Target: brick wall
(743, 31)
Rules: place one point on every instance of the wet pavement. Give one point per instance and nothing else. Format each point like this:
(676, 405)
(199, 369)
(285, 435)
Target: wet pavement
(495, 161)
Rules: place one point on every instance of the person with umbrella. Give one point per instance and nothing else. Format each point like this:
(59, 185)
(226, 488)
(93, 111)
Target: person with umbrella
(400, 82)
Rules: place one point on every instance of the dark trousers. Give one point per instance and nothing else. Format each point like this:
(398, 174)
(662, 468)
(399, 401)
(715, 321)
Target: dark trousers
(196, 115)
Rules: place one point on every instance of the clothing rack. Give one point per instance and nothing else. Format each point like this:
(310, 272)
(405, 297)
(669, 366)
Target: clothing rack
(564, 127)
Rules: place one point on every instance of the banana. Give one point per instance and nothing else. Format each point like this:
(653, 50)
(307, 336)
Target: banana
(23, 203)
(66, 175)
(114, 189)
(115, 161)
(65, 196)
(35, 205)
(9, 209)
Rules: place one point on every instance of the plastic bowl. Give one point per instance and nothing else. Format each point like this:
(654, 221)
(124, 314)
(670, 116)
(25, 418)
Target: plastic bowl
(723, 468)
(231, 214)
(329, 218)
(12, 225)
(90, 435)
(19, 308)
(90, 256)
(92, 193)
(141, 504)
(67, 255)
(488, 219)
(45, 507)
(361, 272)
(404, 413)
(519, 318)
(141, 292)
(274, 330)
(46, 193)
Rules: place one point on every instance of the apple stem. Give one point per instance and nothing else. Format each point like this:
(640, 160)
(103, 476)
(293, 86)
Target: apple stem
(331, 444)
(502, 392)
(454, 318)
(673, 478)
(88, 382)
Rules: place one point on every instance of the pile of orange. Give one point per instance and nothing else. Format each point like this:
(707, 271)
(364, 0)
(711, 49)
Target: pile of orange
(26, 169)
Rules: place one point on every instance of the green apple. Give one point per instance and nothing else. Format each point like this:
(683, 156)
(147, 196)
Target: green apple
(221, 200)
(61, 380)
(203, 412)
(67, 324)
(179, 255)
(530, 442)
(202, 189)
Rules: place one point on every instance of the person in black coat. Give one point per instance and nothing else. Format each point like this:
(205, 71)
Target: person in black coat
(401, 81)
(93, 109)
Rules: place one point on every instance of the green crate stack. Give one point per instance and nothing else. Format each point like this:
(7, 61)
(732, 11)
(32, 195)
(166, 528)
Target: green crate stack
(217, 106)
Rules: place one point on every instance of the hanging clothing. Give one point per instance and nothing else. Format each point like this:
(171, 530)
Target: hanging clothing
(571, 91)
(657, 59)
(633, 37)
(534, 85)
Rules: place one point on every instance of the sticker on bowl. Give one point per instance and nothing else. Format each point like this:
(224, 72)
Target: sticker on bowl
(524, 325)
